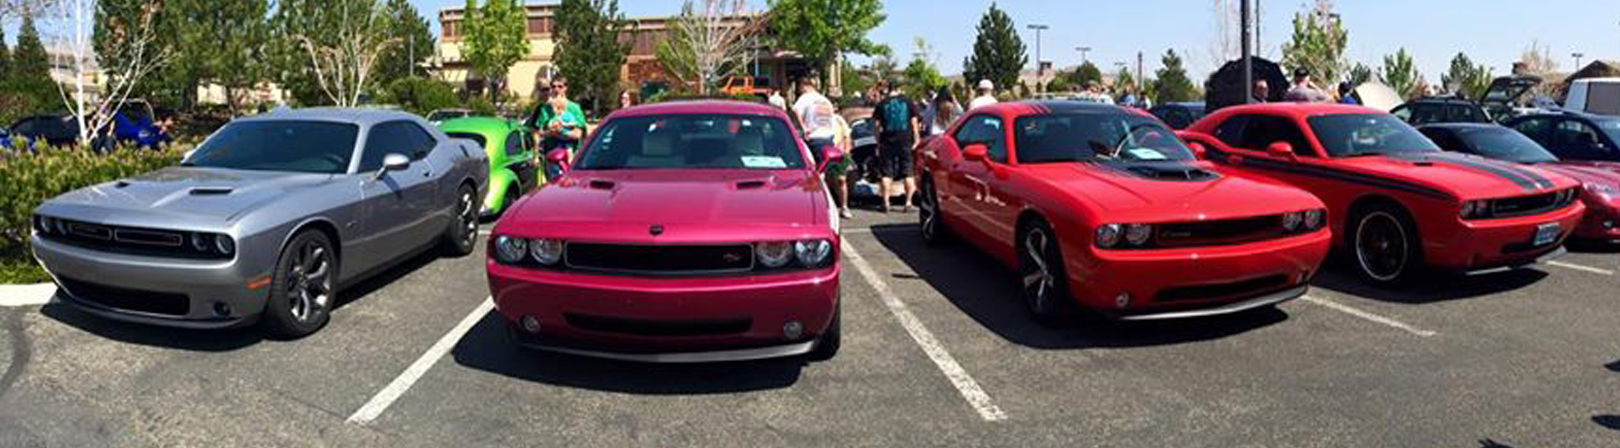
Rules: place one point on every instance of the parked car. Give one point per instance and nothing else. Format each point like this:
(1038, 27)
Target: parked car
(1398, 202)
(758, 86)
(1179, 115)
(440, 116)
(1103, 209)
(267, 220)
(512, 166)
(1594, 96)
(1573, 135)
(49, 129)
(1505, 98)
(1441, 110)
(683, 232)
(1600, 181)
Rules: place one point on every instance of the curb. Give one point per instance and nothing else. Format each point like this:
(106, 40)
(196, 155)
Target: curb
(26, 295)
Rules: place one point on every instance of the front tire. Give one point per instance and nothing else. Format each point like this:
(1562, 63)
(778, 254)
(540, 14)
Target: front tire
(303, 287)
(929, 216)
(1385, 245)
(1041, 273)
(463, 230)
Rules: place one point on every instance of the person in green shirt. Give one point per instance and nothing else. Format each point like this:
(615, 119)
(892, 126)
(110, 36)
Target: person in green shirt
(558, 127)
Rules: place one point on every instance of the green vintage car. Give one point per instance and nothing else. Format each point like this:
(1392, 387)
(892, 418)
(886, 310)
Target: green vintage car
(512, 169)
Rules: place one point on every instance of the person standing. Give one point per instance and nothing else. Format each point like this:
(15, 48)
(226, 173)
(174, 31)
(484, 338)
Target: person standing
(552, 130)
(625, 100)
(815, 112)
(987, 95)
(1347, 94)
(776, 99)
(1303, 90)
(898, 122)
(1262, 92)
(945, 112)
(838, 173)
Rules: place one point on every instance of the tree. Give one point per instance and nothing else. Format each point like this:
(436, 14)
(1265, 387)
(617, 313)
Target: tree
(856, 80)
(223, 42)
(1172, 85)
(1318, 43)
(823, 30)
(494, 38)
(31, 66)
(1466, 77)
(419, 95)
(998, 54)
(1538, 60)
(920, 75)
(708, 43)
(1124, 80)
(331, 47)
(1401, 73)
(589, 52)
(136, 56)
(416, 43)
(1359, 74)
(1086, 74)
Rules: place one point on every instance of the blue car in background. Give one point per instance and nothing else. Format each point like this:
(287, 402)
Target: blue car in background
(134, 125)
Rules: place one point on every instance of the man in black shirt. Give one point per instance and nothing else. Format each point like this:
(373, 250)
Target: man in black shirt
(898, 121)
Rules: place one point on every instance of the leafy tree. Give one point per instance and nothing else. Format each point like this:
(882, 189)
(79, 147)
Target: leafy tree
(1087, 74)
(1318, 43)
(223, 42)
(589, 52)
(920, 75)
(1173, 85)
(1359, 74)
(494, 38)
(998, 53)
(1124, 80)
(326, 51)
(822, 30)
(1401, 74)
(416, 43)
(1466, 77)
(709, 43)
(855, 79)
(419, 95)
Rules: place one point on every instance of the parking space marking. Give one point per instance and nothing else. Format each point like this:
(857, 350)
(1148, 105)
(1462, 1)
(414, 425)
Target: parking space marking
(26, 295)
(1584, 268)
(975, 396)
(1366, 315)
(385, 397)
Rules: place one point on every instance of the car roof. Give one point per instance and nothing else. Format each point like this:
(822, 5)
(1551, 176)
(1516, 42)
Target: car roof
(1440, 99)
(701, 107)
(478, 124)
(1568, 114)
(1462, 126)
(1047, 107)
(357, 116)
(1300, 109)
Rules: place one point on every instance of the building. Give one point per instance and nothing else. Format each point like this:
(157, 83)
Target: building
(641, 72)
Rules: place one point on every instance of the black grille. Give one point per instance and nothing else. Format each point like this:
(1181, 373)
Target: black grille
(1529, 205)
(672, 260)
(638, 327)
(1222, 290)
(1219, 233)
(128, 299)
(130, 240)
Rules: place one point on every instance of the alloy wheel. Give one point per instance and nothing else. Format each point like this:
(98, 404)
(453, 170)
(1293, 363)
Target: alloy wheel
(469, 217)
(1381, 246)
(309, 288)
(1038, 279)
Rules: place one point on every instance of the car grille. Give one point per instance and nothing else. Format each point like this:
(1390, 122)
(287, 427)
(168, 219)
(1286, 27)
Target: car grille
(1222, 290)
(1223, 232)
(129, 240)
(127, 299)
(675, 328)
(664, 260)
(1530, 205)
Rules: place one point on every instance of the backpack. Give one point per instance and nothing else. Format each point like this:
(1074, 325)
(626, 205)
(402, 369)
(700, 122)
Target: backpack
(896, 113)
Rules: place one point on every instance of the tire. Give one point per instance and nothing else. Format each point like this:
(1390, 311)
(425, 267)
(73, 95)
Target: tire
(930, 219)
(1041, 273)
(1384, 245)
(462, 232)
(827, 346)
(303, 287)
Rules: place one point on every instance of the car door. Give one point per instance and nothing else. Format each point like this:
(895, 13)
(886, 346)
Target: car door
(972, 181)
(518, 159)
(1540, 130)
(1249, 136)
(394, 212)
(1582, 141)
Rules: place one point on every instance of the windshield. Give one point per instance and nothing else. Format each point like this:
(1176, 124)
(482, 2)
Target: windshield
(1505, 144)
(1094, 137)
(1351, 135)
(297, 146)
(693, 141)
(1610, 127)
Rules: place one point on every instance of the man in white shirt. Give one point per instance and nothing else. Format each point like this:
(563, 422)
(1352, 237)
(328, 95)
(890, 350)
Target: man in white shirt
(815, 111)
(776, 99)
(987, 95)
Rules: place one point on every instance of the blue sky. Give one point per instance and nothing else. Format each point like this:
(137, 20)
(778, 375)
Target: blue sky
(1493, 32)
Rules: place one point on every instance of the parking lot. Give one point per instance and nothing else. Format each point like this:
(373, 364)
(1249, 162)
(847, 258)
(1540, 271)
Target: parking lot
(938, 352)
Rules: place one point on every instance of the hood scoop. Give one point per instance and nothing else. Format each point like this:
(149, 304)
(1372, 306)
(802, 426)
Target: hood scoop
(1175, 173)
(211, 191)
(601, 185)
(750, 185)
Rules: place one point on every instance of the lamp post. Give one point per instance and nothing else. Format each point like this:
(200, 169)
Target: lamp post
(1083, 51)
(1578, 57)
(1040, 71)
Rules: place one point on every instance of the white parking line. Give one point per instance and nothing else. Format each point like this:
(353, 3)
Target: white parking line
(975, 396)
(1368, 316)
(26, 295)
(395, 389)
(1599, 271)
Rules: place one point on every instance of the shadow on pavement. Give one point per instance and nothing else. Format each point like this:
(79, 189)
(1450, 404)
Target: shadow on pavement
(486, 347)
(1613, 366)
(1607, 421)
(1488, 443)
(1338, 276)
(1592, 247)
(988, 292)
(133, 333)
(378, 280)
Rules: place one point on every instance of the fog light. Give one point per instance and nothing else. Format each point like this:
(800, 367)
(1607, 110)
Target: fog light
(1123, 300)
(793, 329)
(531, 325)
(222, 309)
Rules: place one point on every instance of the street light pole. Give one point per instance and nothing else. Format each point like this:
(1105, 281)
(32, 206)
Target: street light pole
(1040, 70)
(1578, 57)
(1083, 51)
(1248, 64)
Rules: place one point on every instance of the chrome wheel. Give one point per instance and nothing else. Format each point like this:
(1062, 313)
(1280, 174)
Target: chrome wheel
(1039, 277)
(928, 213)
(469, 217)
(309, 281)
(1382, 248)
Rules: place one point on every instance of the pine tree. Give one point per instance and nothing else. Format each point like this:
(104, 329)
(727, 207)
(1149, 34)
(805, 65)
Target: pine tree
(1173, 86)
(1466, 77)
(5, 55)
(415, 43)
(998, 54)
(31, 66)
(1318, 43)
(1401, 74)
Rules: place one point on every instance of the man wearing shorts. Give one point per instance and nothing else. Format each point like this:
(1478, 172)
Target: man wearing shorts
(820, 120)
(898, 121)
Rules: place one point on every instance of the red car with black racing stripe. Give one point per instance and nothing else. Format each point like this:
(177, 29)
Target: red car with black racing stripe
(1399, 203)
(1104, 209)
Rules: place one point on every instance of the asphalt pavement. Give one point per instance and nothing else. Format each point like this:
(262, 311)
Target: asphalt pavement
(937, 352)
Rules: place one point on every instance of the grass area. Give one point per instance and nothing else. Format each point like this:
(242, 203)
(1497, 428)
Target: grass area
(21, 270)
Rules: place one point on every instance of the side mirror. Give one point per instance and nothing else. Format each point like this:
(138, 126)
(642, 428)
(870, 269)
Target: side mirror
(976, 152)
(1197, 149)
(558, 158)
(830, 155)
(1280, 149)
(393, 162)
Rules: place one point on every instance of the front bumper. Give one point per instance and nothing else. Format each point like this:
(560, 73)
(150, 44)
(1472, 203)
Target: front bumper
(655, 319)
(1494, 245)
(1197, 282)
(157, 291)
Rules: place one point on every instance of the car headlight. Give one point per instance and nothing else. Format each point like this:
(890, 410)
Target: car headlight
(1314, 219)
(773, 254)
(1292, 220)
(1475, 209)
(1137, 234)
(224, 244)
(510, 250)
(60, 225)
(546, 251)
(1108, 235)
(42, 224)
(812, 253)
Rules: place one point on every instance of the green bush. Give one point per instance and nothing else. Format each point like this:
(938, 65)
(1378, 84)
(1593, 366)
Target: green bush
(30, 178)
(419, 95)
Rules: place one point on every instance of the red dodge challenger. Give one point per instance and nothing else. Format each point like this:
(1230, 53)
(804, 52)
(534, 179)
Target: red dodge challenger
(1398, 202)
(683, 232)
(1104, 209)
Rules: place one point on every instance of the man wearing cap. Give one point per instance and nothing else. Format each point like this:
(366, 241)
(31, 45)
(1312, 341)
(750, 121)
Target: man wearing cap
(1303, 90)
(987, 95)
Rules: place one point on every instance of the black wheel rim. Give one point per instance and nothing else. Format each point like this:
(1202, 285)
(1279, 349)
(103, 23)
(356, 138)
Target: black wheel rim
(309, 281)
(1038, 278)
(1381, 246)
(469, 218)
(928, 212)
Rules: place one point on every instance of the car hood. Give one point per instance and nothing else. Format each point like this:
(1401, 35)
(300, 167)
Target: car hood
(1128, 195)
(184, 194)
(1606, 173)
(680, 199)
(1461, 176)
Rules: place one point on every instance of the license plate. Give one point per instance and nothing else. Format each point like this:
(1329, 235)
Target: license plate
(1547, 234)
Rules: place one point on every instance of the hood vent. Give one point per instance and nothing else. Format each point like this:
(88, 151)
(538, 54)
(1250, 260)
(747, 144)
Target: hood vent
(601, 185)
(121, 184)
(210, 191)
(1177, 173)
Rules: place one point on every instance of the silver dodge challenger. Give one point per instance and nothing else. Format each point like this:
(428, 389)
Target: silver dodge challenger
(265, 222)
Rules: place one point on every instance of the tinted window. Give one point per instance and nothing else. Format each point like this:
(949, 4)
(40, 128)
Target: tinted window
(986, 130)
(1264, 130)
(1427, 113)
(1098, 136)
(1349, 135)
(418, 141)
(1446, 140)
(1537, 129)
(395, 137)
(693, 141)
(514, 144)
(299, 146)
(1576, 140)
(1462, 113)
(1231, 131)
(1504, 144)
